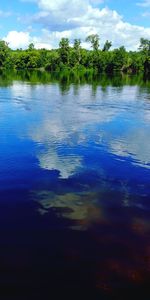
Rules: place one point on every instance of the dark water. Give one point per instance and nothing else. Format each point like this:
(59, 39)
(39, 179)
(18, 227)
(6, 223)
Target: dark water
(74, 186)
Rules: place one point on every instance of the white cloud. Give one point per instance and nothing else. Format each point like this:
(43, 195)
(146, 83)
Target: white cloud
(73, 18)
(17, 39)
(20, 39)
(107, 23)
(39, 45)
(77, 19)
(62, 4)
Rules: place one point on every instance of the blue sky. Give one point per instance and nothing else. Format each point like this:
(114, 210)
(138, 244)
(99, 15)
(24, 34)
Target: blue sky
(44, 22)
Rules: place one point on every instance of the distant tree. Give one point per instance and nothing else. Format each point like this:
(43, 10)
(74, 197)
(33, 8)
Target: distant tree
(64, 50)
(53, 63)
(107, 46)
(94, 40)
(77, 51)
(145, 49)
(145, 45)
(77, 44)
(4, 52)
(76, 57)
(44, 59)
(135, 62)
(85, 59)
(27, 59)
(31, 47)
(119, 58)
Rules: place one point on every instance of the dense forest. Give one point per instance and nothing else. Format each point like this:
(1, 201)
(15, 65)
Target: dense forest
(76, 58)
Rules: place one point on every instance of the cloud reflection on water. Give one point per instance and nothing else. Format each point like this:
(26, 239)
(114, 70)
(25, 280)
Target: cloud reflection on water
(78, 130)
(74, 120)
(72, 126)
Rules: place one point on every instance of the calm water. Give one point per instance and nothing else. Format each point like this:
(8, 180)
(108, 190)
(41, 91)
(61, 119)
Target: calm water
(74, 186)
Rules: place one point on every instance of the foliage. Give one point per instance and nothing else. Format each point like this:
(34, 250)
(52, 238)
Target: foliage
(64, 50)
(75, 57)
(145, 50)
(94, 40)
(4, 52)
(107, 46)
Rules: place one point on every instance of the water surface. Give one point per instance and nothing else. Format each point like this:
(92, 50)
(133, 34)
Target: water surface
(74, 185)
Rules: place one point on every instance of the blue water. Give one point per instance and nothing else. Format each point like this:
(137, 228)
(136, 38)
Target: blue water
(74, 189)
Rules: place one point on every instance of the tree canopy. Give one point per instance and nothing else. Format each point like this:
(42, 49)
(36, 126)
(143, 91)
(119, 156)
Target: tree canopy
(71, 55)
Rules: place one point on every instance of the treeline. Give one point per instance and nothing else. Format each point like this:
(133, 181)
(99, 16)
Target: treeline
(76, 58)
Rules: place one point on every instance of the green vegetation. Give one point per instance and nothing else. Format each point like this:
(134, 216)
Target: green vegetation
(76, 58)
(66, 78)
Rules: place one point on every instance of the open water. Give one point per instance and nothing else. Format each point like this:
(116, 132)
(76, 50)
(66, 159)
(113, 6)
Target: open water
(74, 186)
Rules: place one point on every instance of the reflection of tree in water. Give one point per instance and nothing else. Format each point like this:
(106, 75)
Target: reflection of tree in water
(68, 77)
(64, 84)
(81, 208)
(118, 249)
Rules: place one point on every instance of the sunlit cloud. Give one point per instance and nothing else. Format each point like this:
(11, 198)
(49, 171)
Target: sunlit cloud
(18, 39)
(77, 19)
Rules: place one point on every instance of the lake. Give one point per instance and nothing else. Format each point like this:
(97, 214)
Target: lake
(74, 185)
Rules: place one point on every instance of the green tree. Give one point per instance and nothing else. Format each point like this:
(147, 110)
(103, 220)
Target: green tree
(85, 58)
(119, 58)
(77, 44)
(145, 49)
(107, 46)
(77, 51)
(94, 40)
(64, 50)
(4, 52)
(44, 57)
(53, 63)
(31, 47)
(145, 45)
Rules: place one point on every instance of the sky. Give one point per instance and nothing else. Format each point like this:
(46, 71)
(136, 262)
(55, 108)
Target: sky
(45, 22)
